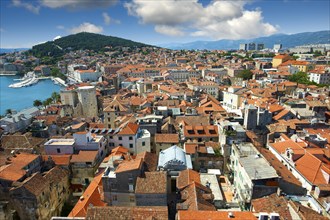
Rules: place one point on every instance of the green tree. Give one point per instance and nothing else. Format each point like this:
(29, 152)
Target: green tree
(47, 102)
(55, 97)
(37, 103)
(8, 111)
(245, 74)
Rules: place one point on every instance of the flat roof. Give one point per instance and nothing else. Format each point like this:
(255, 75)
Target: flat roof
(257, 167)
(57, 142)
(214, 185)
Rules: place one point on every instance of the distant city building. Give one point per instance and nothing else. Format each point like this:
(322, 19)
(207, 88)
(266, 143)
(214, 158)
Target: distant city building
(277, 47)
(252, 46)
(243, 46)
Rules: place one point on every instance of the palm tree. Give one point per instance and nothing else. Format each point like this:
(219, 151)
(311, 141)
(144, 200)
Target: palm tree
(55, 97)
(37, 103)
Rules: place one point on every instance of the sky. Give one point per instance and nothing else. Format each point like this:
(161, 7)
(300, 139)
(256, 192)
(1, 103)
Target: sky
(24, 23)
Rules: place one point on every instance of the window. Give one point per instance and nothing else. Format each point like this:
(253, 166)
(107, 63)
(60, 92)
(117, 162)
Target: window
(130, 138)
(120, 138)
(130, 145)
(143, 143)
(114, 198)
(58, 150)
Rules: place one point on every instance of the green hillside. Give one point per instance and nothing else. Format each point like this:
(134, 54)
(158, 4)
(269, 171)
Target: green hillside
(81, 41)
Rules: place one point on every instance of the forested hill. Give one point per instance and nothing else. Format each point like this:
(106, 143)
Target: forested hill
(81, 41)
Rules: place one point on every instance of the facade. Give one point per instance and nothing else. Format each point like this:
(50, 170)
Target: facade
(83, 166)
(59, 146)
(320, 77)
(82, 100)
(165, 141)
(253, 176)
(136, 140)
(86, 75)
(41, 196)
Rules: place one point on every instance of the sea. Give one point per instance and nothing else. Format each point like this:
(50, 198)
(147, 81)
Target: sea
(21, 98)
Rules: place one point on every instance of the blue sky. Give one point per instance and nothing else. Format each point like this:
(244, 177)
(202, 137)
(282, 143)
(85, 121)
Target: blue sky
(26, 23)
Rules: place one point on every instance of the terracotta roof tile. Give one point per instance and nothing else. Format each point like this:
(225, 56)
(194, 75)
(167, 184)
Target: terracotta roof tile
(152, 182)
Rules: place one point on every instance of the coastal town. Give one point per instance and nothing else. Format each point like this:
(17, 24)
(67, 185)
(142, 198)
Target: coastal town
(153, 133)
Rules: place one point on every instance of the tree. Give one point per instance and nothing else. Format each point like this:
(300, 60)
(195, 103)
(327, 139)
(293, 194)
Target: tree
(245, 74)
(47, 102)
(8, 111)
(55, 97)
(37, 103)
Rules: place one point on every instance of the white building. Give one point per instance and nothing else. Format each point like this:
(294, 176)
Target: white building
(320, 76)
(136, 140)
(18, 121)
(209, 87)
(254, 177)
(86, 75)
(59, 146)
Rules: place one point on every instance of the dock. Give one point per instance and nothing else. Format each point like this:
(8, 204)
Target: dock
(59, 81)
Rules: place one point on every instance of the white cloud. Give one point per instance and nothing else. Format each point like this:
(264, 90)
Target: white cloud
(219, 19)
(56, 38)
(61, 27)
(169, 30)
(33, 8)
(108, 20)
(78, 4)
(87, 27)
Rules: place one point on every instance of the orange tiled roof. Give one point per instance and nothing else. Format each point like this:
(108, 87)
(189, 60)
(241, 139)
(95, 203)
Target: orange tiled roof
(166, 138)
(214, 215)
(84, 156)
(91, 196)
(186, 177)
(129, 165)
(129, 129)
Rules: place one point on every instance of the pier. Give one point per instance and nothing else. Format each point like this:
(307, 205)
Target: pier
(59, 81)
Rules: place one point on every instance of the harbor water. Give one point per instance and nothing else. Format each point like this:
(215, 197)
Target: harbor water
(20, 98)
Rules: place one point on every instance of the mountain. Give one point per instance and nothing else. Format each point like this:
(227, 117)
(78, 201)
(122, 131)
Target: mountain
(81, 41)
(10, 50)
(287, 40)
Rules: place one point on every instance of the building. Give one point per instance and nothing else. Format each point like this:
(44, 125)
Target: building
(86, 75)
(320, 75)
(41, 196)
(82, 100)
(250, 117)
(200, 133)
(277, 47)
(173, 160)
(133, 138)
(18, 167)
(253, 176)
(18, 121)
(279, 59)
(152, 189)
(83, 166)
(297, 155)
(243, 47)
(165, 141)
(59, 146)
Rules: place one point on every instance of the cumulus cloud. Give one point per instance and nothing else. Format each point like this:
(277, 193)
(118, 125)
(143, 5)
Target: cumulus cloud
(87, 27)
(169, 30)
(33, 8)
(78, 4)
(219, 19)
(108, 20)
